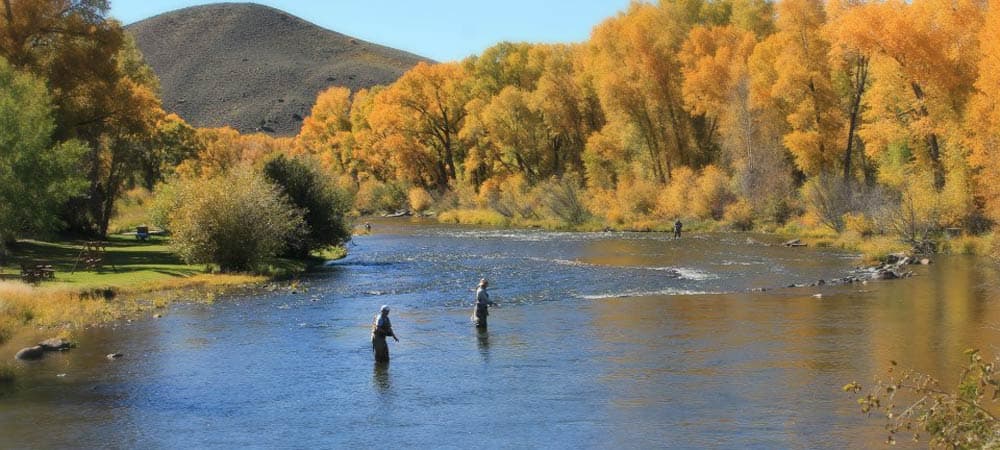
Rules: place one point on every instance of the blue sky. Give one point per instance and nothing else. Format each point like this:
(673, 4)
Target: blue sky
(444, 30)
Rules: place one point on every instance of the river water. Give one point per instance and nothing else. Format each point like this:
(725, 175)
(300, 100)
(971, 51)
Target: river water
(601, 340)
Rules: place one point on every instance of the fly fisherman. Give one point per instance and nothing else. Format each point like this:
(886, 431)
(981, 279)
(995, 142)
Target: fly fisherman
(381, 328)
(482, 304)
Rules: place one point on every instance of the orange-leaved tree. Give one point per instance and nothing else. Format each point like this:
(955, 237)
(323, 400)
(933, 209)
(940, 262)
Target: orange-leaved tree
(983, 124)
(326, 133)
(632, 58)
(792, 74)
(415, 124)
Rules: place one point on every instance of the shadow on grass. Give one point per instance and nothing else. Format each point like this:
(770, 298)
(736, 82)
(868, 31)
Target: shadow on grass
(121, 255)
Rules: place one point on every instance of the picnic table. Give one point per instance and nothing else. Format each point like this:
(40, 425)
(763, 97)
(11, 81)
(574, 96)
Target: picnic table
(37, 272)
(92, 256)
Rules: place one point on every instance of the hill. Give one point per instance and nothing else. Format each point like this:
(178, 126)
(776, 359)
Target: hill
(256, 68)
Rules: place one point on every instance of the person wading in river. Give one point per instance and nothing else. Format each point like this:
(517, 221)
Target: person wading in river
(677, 229)
(381, 328)
(482, 304)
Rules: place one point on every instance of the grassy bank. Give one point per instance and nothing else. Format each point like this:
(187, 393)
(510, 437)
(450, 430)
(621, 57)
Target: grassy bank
(136, 277)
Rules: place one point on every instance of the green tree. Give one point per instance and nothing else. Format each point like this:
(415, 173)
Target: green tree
(322, 205)
(36, 174)
(102, 91)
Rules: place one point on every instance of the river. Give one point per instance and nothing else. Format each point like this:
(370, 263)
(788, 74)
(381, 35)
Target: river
(600, 340)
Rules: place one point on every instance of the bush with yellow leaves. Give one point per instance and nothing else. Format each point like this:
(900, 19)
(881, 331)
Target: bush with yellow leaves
(420, 199)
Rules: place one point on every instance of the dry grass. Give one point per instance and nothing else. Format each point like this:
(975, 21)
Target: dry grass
(64, 306)
(474, 217)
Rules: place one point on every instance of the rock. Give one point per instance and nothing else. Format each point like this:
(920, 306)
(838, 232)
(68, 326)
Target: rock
(157, 316)
(895, 258)
(889, 274)
(56, 344)
(115, 355)
(31, 353)
(925, 261)
(817, 295)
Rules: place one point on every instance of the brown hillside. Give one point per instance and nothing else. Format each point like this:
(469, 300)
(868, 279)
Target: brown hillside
(256, 68)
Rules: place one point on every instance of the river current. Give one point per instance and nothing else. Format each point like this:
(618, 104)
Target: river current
(600, 340)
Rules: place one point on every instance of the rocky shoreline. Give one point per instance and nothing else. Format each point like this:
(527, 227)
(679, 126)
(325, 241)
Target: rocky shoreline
(894, 267)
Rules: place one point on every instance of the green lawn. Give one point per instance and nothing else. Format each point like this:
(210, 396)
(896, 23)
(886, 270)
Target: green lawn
(130, 263)
(127, 263)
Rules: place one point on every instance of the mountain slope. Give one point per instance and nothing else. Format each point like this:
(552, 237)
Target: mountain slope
(256, 68)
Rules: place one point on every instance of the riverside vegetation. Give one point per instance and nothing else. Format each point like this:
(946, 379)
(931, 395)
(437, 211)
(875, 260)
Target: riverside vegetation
(84, 132)
(867, 125)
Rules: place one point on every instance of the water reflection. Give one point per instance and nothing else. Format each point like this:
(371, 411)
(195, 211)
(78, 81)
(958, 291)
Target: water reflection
(380, 378)
(483, 341)
(578, 356)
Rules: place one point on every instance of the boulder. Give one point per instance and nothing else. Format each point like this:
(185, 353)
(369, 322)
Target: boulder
(895, 258)
(31, 353)
(115, 355)
(925, 261)
(56, 344)
(794, 243)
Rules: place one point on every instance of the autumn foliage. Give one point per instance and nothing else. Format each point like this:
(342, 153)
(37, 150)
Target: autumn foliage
(726, 111)
(875, 117)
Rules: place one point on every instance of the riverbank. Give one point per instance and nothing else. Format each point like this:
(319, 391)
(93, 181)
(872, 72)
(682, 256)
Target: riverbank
(872, 247)
(135, 279)
(667, 345)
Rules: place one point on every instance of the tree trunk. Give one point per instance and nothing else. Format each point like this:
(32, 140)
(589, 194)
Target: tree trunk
(933, 147)
(860, 81)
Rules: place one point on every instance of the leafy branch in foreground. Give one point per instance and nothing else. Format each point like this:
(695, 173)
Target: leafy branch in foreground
(913, 403)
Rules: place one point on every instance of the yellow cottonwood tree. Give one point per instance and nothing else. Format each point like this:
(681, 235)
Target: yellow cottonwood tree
(326, 133)
(794, 77)
(984, 115)
(632, 58)
(417, 121)
(920, 87)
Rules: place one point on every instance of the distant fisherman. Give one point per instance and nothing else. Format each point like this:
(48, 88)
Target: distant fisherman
(677, 229)
(381, 328)
(482, 304)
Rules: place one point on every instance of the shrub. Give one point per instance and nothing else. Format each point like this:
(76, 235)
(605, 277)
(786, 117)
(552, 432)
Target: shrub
(376, 197)
(834, 202)
(912, 403)
(420, 199)
(636, 199)
(513, 199)
(235, 220)
(561, 200)
(739, 215)
(858, 223)
(711, 194)
(323, 205)
(675, 198)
